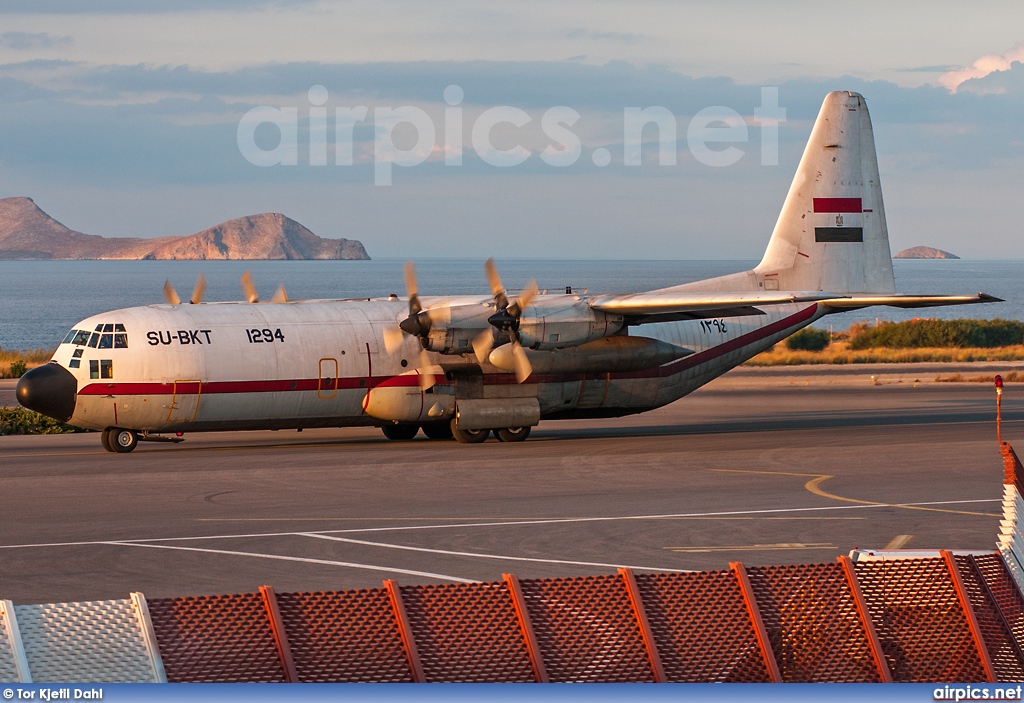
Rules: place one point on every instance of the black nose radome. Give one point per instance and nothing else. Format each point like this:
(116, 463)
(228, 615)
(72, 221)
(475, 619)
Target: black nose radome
(49, 389)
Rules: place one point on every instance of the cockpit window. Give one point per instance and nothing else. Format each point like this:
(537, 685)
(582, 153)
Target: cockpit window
(107, 336)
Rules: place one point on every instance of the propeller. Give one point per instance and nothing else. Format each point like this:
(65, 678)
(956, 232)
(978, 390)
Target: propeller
(249, 288)
(506, 318)
(197, 293)
(416, 324)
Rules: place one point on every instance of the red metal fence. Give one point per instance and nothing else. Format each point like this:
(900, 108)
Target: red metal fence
(939, 619)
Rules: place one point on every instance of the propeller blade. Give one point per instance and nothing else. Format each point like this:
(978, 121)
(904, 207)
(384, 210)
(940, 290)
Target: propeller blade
(524, 299)
(523, 366)
(249, 288)
(171, 294)
(497, 289)
(197, 292)
(394, 338)
(411, 288)
(482, 345)
(426, 378)
(280, 295)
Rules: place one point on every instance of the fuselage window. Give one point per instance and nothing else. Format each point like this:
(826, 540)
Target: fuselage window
(94, 368)
(71, 335)
(108, 328)
(81, 337)
(106, 368)
(107, 341)
(94, 340)
(120, 341)
(77, 354)
(74, 363)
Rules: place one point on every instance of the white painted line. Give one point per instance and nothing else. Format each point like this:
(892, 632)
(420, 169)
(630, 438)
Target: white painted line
(305, 560)
(499, 557)
(507, 523)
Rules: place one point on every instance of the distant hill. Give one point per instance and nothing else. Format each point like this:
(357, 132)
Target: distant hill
(26, 232)
(924, 253)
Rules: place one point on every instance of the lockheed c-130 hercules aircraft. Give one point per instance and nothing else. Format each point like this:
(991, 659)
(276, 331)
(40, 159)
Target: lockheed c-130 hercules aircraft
(468, 366)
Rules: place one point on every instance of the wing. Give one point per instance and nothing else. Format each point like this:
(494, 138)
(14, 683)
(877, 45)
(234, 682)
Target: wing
(645, 308)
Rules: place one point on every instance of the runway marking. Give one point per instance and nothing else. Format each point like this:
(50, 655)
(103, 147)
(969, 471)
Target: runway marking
(305, 560)
(898, 542)
(420, 519)
(755, 547)
(814, 486)
(552, 521)
(478, 555)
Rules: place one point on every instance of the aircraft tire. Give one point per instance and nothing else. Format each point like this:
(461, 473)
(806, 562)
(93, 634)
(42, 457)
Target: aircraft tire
(437, 430)
(512, 434)
(105, 440)
(123, 441)
(400, 432)
(469, 436)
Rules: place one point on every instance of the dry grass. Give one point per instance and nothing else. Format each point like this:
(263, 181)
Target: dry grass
(840, 353)
(1009, 377)
(31, 358)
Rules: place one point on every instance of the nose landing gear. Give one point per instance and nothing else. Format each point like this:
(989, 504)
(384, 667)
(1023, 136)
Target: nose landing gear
(119, 441)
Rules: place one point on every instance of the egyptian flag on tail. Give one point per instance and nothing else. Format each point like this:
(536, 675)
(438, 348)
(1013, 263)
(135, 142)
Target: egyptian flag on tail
(838, 220)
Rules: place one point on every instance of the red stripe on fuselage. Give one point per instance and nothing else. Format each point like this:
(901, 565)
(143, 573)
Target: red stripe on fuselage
(305, 384)
(837, 205)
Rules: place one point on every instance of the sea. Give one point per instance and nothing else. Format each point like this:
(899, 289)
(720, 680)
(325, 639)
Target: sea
(41, 300)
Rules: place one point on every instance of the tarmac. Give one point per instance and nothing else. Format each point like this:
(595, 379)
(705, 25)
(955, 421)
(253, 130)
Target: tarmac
(765, 465)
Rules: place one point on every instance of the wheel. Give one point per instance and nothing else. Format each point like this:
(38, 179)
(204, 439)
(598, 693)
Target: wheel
(468, 436)
(123, 441)
(437, 430)
(512, 434)
(105, 440)
(400, 432)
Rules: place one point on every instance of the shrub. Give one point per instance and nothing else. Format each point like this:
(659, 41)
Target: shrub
(940, 333)
(24, 421)
(18, 368)
(808, 339)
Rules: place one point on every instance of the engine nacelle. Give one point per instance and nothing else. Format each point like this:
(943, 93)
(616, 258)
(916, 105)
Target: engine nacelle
(400, 399)
(565, 322)
(453, 329)
(612, 354)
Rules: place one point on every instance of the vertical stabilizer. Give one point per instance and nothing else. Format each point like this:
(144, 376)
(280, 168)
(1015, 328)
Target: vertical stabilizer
(831, 234)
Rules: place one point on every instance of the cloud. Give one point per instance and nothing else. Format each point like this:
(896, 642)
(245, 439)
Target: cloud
(27, 41)
(987, 64)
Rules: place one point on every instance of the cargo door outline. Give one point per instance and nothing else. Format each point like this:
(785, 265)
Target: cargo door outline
(327, 381)
(184, 403)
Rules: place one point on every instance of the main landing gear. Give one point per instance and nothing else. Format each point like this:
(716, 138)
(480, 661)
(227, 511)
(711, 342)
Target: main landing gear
(444, 430)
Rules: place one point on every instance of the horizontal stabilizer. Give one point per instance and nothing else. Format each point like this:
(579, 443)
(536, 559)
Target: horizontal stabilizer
(906, 301)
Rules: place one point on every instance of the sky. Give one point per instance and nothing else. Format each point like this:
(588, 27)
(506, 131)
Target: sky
(126, 118)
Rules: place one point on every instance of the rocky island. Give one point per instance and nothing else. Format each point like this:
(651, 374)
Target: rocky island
(26, 232)
(924, 253)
